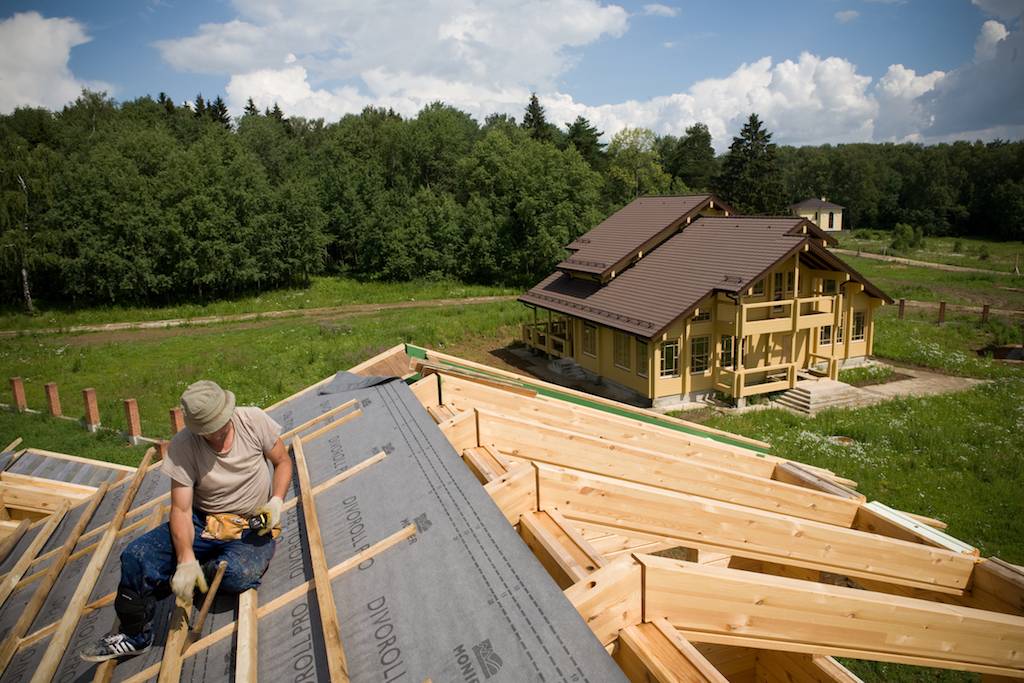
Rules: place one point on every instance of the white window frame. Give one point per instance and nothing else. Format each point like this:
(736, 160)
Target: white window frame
(592, 352)
(674, 355)
(859, 315)
(641, 365)
(822, 336)
(723, 360)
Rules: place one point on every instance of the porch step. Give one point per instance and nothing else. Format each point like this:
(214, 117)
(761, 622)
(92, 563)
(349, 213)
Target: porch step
(810, 397)
(567, 367)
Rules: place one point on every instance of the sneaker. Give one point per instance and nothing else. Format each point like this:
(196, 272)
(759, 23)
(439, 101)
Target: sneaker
(117, 645)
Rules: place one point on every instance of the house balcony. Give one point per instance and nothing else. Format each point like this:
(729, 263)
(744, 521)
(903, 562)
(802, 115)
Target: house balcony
(781, 316)
(552, 338)
(744, 382)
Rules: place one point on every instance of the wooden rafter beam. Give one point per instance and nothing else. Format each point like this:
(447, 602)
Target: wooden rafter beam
(697, 522)
(562, 551)
(537, 442)
(609, 599)
(655, 652)
(732, 607)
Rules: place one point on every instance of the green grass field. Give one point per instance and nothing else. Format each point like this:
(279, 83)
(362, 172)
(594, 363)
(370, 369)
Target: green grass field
(972, 252)
(322, 292)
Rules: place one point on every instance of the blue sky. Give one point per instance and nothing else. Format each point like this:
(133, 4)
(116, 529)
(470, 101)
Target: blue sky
(816, 70)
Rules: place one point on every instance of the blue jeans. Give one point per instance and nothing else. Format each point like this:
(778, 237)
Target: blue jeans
(149, 562)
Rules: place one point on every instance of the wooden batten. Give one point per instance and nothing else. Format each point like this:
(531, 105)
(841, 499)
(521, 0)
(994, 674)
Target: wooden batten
(483, 464)
(247, 641)
(731, 607)
(882, 519)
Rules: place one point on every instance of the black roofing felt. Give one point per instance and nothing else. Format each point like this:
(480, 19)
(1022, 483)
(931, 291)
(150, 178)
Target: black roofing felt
(463, 594)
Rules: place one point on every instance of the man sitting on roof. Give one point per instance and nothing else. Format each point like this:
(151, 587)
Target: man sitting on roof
(219, 481)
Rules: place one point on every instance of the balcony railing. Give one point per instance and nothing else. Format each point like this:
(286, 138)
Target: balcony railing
(549, 337)
(743, 382)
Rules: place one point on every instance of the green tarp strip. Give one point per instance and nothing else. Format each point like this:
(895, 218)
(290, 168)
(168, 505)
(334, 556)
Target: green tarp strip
(417, 352)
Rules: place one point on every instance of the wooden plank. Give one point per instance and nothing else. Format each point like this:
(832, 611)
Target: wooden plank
(714, 604)
(567, 557)
(698, 522)
(12, 445)
(482, 464)
(76, 606)
(540, 443)
(515, 493)
(609, 600)
(28, 613)
(325, 597)
(247, 640)
(880, 518)
(655, 652)
(12, 577)
(425, 391)
(1000, 584)
(427, 369)
(461, 431)
(182, 634)
(793, 473)
(12, 538)
(628, 431)
(312, 422)
(88, 461)
(738, 664)
(79, 491)
(793, 667)
(348, 417)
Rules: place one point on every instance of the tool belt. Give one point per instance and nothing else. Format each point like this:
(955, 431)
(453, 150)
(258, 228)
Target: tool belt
(226, 526)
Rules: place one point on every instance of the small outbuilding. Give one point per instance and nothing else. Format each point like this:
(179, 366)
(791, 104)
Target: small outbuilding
(821, 212)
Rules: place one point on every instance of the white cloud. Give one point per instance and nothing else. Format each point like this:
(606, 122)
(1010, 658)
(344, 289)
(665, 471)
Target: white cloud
(34, 62)
(328, 61)
(1004, 9)
(658, 10)
(985, 45)
(846, 16)
(669, 44)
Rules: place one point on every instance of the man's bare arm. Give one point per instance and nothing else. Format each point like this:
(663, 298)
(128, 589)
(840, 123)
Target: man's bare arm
(278, 457)
(182, 531)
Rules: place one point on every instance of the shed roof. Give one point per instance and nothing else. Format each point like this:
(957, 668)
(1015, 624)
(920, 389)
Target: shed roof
(816, 204)
(712, 254)
(637, 227)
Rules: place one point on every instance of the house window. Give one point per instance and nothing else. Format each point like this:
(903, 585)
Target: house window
(825, 337)
(728, 343)
(620, 347)
(858, 326)
(790, 279)
(700, 350)
(759, 288)
(641, 358)
(831, 220)
(839, 334)
(702, 315)
(670, 359)
(829, 286)
(589, 339)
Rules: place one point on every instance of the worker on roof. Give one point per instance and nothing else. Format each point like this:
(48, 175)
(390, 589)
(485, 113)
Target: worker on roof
(225, 505)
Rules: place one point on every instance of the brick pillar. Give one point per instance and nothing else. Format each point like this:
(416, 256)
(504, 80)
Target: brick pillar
(92, 410)
(53, 399)
(984, 313)
(161, 448)
(18, 394)
(131, 417)
(903, 305)
(942, 312)
(177, 420)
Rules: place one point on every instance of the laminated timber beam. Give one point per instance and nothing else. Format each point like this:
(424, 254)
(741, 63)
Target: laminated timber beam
(515, 492)
(536, 442)
(732, 607)
(794, 667)
(610, 599)
(722, 527)
(654, 652)
(562, 551)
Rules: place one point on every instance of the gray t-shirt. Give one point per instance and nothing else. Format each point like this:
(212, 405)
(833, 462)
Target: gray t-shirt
(238, 481)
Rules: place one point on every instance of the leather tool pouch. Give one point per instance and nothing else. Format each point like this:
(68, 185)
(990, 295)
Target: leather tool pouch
(229, 527)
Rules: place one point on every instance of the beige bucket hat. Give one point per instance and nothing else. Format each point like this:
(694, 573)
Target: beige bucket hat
(206, 407)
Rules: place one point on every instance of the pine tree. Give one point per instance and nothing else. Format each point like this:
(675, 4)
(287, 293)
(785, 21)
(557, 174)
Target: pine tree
(276, 113)
(750, 179)
(692, 159)
(586, 139)
(251, 109)
(200, 106)
(218, 112)
(534, 120)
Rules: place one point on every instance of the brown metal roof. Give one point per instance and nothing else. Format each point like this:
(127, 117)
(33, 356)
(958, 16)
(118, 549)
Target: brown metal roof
(712, 254)
(815, 203)
(639, 226)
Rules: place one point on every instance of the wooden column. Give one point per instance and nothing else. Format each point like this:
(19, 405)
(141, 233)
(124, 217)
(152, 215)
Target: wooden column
(177, 420)
(52, 399)
(18, 394)
(903, 305)
(131, 417)
(685, 356)
(92, 410)
(942, 312)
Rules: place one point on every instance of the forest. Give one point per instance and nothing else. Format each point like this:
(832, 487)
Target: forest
(150, 202)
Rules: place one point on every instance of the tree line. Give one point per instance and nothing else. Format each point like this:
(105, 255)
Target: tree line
(149, 202)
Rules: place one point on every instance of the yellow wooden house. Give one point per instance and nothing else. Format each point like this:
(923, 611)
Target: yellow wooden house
(672, 298)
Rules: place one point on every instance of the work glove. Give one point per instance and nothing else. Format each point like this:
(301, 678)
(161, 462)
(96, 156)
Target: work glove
(272, 509)
(186, 579)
